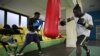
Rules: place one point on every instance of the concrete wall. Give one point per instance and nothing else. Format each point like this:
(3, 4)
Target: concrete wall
(90, 5)
(96, 29)
(65, 13)
(27, 7)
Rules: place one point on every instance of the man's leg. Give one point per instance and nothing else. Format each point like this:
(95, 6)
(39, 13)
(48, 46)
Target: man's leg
(25, 44)
(86, 48)
(37, 40)
(22, 48)
(39, 46)
(78, 50)
(4, 45)
(16, 47)
(80, 40)
(27, 41)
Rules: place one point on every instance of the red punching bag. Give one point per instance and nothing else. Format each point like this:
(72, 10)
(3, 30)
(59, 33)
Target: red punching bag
(52, 19)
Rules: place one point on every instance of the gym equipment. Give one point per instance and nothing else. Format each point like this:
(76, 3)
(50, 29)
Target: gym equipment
(7, 37)
(63, 22)
(52, 19)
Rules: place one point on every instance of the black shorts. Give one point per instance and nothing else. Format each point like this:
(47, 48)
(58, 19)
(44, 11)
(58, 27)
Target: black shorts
(81, 40)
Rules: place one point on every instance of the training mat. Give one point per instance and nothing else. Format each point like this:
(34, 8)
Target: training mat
(95, 51)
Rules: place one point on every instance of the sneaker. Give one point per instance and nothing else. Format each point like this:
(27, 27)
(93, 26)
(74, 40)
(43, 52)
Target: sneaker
(40, 52)
(19, 54)
(88, 53)
(10, 54)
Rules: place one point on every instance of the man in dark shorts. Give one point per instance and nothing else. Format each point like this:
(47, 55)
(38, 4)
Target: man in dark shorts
(7, 39)
(32, 36)
(84, 25)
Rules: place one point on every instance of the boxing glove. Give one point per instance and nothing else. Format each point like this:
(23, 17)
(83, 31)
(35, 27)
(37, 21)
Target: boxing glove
(81, 21)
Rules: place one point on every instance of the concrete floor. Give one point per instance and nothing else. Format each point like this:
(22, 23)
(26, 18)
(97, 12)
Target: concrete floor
(59, 50)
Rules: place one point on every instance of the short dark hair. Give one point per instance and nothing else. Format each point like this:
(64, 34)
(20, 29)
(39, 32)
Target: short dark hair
(77, 7)
(37, 13)
(6, 26)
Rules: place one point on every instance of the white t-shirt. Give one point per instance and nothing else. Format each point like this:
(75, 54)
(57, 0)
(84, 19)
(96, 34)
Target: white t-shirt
(82, 30)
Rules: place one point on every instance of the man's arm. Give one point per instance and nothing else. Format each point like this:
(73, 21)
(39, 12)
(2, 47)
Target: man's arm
(81, 21)
(63, 22)
(90, 23)
(70, 19)
(90, 27)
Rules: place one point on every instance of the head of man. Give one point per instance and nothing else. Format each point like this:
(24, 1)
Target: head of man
(36, 15)
(77, 11)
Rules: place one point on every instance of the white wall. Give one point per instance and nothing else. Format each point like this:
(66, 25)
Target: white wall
(42, 16)
(69, 12)
(27, 7)
(65, 13)
(0, 5)
(1, 17)
(91, 5)
(62, 29)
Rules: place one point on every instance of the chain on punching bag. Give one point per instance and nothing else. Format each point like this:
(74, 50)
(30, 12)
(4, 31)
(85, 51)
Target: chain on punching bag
(52, 19)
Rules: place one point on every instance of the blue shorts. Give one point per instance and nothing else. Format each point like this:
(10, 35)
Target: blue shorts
(31, 38)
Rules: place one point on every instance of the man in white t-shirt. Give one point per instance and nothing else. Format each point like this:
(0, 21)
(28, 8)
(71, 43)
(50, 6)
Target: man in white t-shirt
(84, 25)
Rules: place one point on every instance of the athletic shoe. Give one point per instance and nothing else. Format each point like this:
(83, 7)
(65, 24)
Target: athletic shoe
(40, 53)
(10, 54)
(19, 54)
